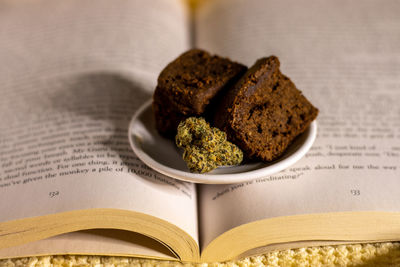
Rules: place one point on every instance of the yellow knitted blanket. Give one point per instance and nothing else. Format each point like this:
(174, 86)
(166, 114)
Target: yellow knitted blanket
(375, 254)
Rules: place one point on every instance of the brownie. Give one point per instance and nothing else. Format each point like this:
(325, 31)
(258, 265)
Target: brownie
(264, 111)
(186, 86)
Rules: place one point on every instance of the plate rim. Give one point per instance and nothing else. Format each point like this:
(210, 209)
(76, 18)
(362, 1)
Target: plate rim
(209, 178)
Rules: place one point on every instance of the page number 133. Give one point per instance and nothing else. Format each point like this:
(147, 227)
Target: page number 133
(355, 192)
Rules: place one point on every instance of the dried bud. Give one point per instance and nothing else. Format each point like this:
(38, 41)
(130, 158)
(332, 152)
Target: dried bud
(205, 147)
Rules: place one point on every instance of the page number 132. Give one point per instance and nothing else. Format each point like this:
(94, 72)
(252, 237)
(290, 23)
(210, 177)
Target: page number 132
(53, 194)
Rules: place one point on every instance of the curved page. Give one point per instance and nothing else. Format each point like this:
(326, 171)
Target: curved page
(73, 74)
(343, 55)
(93, 242)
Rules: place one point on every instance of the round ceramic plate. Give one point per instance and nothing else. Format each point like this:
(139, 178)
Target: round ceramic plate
(164, 156)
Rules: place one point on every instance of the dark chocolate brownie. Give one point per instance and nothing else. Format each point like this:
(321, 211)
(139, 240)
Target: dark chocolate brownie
(187, 85)
(264, 111)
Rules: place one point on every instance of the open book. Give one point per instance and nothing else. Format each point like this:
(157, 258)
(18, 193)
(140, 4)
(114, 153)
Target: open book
(74, 72)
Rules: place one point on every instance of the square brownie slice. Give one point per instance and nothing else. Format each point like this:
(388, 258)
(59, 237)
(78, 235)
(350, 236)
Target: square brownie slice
(264, 112)
(186, 86)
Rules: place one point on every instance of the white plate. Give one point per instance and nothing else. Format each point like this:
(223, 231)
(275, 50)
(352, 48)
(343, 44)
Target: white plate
(164, 156)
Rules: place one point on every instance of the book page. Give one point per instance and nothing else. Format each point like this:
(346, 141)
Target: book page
(93, 242)
(72, 75)
(344, 56)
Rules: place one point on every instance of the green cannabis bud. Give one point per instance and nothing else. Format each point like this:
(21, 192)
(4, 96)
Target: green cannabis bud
(205, 147)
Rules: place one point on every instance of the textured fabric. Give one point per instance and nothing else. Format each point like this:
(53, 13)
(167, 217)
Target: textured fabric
(378, 254)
